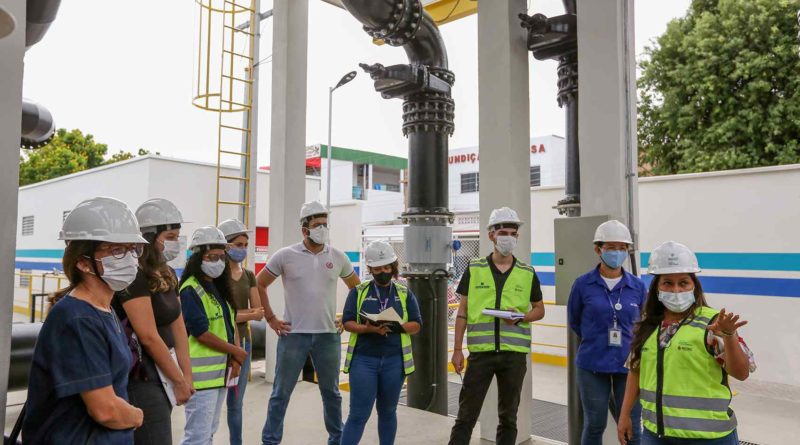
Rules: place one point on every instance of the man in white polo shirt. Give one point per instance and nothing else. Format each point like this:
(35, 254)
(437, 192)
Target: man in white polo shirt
(310, 271)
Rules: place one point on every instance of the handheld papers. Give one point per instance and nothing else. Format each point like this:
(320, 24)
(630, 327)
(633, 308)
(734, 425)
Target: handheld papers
(508, 315)
(389, 315)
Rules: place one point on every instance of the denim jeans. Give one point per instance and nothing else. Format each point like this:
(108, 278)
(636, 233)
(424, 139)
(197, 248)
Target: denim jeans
(374, 379)
(596, 390)
(202, 416)
(236, 396)
(293, 349)
(648, 438)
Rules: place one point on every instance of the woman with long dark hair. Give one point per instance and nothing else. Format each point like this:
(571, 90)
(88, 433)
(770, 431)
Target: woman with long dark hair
(77, 390)
(682, 354)
(379, 354)
(150, 309)
(213, 344)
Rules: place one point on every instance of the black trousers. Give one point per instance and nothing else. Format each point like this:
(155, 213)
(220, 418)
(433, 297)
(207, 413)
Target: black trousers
(509, 368)
(152, 400)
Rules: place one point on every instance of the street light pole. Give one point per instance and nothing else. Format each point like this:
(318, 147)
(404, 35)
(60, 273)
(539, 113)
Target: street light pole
(345, 79)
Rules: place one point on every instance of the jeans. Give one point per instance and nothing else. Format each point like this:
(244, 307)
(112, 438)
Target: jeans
(202, 416)
(597, 390)
(292, 352)
(236, 396)
(374, 379)
(152, 400)
(648, 438)
(510, 368)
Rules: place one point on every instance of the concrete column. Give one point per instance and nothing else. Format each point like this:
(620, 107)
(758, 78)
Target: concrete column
(504, 148)
(288, 140)
(12, 51)
(607, 114)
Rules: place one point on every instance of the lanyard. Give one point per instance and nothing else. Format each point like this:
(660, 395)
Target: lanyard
(384, 303)
(614, 307)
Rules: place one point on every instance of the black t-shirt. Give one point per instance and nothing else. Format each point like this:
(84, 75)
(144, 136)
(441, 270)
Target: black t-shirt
(80, 348)
(166, 309)
(499, 280)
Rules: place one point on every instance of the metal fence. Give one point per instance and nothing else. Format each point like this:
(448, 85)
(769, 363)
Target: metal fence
(32, 289)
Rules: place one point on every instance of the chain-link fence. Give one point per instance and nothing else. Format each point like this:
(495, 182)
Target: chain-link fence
(470, 248)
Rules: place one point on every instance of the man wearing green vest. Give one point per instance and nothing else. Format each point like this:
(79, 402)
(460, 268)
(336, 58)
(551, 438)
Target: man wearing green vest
(497, 347)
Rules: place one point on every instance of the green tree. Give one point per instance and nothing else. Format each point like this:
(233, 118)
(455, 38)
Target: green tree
(720, 89)
(68, 152)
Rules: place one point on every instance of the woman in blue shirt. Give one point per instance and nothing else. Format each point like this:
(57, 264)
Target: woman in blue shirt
(213, 342)
(379, 354)
(77, 390)
(603, 307)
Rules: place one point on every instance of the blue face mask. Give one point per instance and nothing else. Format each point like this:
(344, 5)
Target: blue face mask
(614, 258)
(237, 255)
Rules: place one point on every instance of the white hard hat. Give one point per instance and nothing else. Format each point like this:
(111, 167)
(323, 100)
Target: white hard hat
(503, 215)
(157, 212)
(672, 257)
(207, 235)
(612, 231)
(312, 208)
(101, 219)
(379, 253)
(232, 228)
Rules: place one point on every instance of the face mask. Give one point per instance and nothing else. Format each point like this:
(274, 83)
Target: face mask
(213, 268)
(318, 234)
(614, 258)
(119, 273)
(677, 302)
(237, 254)
(506, 244)
(171, 250)
(383, 278)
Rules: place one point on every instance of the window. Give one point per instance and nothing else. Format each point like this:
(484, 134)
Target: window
(27, 225)
(65, 215)
(469, 182)
(25, 277)
(536, 175)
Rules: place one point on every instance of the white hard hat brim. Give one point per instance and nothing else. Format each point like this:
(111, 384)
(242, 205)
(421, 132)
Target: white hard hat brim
(237, 233)
(118, 238)
(669, 270)
(518, 223)
(383, 262)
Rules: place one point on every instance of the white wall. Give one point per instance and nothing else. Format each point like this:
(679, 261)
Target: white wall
(341, 182)
(382, 206)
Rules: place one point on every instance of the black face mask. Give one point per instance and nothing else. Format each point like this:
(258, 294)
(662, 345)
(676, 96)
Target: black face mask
(383, 278)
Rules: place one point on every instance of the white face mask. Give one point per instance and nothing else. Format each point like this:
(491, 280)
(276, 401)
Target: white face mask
(318, 234)
(213, 268)
(677, 302)
(505, 244)
(119, 273)
(171, 250)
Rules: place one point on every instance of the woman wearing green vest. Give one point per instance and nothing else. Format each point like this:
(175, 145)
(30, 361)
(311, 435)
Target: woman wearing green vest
(682, 354)
(247, 304)
(211, 322)
(378, 355)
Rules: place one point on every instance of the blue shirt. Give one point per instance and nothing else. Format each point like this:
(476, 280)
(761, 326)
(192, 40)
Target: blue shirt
(194, 314)
(373, 344)
(80, 348)
(590, 311)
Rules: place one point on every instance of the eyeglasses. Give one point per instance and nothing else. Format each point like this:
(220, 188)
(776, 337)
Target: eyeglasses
(213, 257)
(119, 252)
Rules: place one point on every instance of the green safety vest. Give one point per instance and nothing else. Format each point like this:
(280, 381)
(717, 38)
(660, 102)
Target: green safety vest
(405, 339)
(482, 294)
(683, 390)
(209, 365)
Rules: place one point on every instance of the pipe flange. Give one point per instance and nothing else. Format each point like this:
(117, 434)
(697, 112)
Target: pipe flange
(428, 216)
(443, 73)
(429, 112)
(407, 18)
(567, 79)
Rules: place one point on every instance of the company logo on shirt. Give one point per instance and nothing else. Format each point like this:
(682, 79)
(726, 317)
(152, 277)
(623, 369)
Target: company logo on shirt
(329, 265)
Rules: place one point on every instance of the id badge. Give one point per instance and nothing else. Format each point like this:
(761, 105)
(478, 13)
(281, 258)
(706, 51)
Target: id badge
(615, 337)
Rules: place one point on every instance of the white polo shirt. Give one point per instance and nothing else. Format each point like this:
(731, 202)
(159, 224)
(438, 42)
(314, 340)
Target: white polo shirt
(309, 283)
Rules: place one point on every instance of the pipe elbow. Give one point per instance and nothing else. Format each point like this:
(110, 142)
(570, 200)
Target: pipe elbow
(38, 127)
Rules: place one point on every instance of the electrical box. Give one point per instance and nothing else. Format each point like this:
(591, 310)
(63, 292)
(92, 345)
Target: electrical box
(428, 244)
(574, 248)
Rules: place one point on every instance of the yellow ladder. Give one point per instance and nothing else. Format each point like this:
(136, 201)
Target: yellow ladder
(235, 105)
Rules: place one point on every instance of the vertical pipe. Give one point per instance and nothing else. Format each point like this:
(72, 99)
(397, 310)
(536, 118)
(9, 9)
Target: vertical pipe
(329, 151)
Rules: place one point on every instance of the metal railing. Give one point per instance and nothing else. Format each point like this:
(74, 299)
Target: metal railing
(37, 286)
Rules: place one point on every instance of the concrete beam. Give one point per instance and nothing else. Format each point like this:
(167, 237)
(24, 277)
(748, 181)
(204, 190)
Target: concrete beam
(504, 138)
(12, 52)
(288, 140)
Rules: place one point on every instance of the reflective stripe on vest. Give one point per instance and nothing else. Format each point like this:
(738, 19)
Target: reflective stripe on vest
(405, 339)
(683, 389)
(482, 294)
(209, 365)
